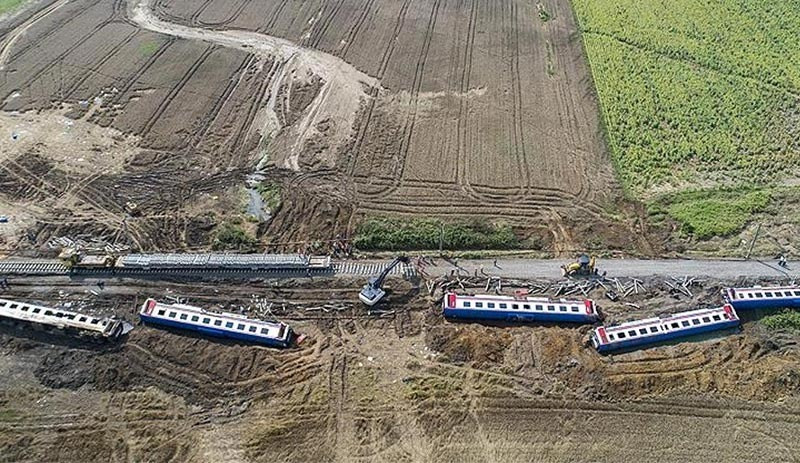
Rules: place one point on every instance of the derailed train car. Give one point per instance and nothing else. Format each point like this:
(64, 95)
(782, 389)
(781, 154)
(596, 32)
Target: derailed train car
(656, 330)
(65, 321)
(518, 309)
(215, 324)
(758, 297)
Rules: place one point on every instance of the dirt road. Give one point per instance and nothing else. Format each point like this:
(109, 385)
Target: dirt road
(551, 268)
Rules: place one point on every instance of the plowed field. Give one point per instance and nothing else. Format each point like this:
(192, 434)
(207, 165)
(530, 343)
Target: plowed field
(358, 107)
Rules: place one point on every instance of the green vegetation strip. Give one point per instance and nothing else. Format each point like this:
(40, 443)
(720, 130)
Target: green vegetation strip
(395, 234)
(708, 213)
(10, 5)
(696, 93)
(788, 320)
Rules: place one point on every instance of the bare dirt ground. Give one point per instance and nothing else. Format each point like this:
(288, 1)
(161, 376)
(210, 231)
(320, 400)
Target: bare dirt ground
(405, 387)
(416, 108)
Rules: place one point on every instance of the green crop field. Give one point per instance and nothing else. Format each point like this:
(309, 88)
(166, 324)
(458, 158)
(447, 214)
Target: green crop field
(696, 94)
(9, 5)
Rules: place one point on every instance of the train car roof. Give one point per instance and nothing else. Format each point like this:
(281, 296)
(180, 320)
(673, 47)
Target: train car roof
(666, 319)
(201, 312)
(28, 312)
(520, 299)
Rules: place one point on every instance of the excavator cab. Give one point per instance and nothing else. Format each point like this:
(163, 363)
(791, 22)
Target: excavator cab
(583, 267)
(373, 291)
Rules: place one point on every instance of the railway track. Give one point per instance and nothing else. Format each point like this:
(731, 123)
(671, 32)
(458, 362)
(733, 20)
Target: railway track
(54, 267)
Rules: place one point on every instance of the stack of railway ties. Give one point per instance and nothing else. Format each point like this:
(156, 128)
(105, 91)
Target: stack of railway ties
(626, 336)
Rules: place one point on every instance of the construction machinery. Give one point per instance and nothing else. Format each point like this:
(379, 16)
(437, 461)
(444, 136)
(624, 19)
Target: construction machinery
(583, 267)
(373, 292)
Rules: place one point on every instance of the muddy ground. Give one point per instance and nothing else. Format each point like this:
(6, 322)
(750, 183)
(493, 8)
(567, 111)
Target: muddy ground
(400, 386)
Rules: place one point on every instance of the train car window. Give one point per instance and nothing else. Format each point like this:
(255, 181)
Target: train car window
(59, 315)
(490, 305)
(716, 318)
(642, 330)
(2, 304)
(706, 320)
(94, 321)
(172, 314)
(183, 316)
(71, 316)
(632, 333)
(539, 307)
(162, 312)
(264, 330)
(253, 329)
(206, 321)
(759, 295)
(47, 312)
(25, 309)
(12, 306)
(685, 323)
(82, 319)
(575, 309)
(217, 322)
(240, 327)
(229, 325)
(621, 335)
(654, 329)
(467, 304)
(675, 325)
(695, 321)
(610, 337)
(526, 306)
(768, 294)
(195, 318)
(797, 293)
(562, 308)
(503, 306)
(551, 307)
(478, 305)
(515, 306)
(36, 310)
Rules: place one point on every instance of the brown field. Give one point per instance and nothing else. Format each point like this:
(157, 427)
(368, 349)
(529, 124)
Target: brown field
(408, 387)
(358, 107)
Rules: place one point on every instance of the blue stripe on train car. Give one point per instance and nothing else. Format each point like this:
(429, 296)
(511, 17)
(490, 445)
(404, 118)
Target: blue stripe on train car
(518, 316)
(661, 337)
(219, 333)
(773, 303)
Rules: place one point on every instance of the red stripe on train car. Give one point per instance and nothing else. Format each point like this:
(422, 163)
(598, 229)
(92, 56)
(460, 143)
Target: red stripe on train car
(589, 306)
(451, 300)
(151, 304)
(729, 311)
(602, 332)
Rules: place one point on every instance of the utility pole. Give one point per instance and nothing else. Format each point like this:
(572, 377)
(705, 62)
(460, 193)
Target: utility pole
(753, 243)
(441, 238)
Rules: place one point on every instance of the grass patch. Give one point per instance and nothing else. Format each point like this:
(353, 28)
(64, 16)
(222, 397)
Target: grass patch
(708, 213)
(7, 6)
(395, 234)
(231, 237)
(787, 320)
(147, 48)
(543, 14)
(271, 194)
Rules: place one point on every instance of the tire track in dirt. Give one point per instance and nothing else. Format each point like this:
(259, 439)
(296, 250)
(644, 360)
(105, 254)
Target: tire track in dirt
(411, 113)
(92, 70)
(243, 132)
(211, 116)
(175, 90)
(11, 38)
(319, 32)
(193, 18)
(352, 33)
(66, 52)
(14, 35)
(134, 78)
(231, 17)
(274, 18)
(374, 94)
